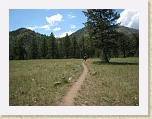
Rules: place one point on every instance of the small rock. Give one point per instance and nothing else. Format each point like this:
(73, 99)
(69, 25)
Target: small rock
(38, 89)
(83, 105)
(57, 83)
(93, 73)
(32, 79)
(86, 102)
(104, 98)
(63, 77)
(43, 88)
(34, 98)
(135, 97)
(70, 78)
(16, 93)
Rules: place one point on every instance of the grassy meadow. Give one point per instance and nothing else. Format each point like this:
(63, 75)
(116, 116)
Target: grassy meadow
(41, 82)
(113, 84)
(45, 82)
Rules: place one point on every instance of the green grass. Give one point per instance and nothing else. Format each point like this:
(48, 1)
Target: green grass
(113, 84)
(32, 82)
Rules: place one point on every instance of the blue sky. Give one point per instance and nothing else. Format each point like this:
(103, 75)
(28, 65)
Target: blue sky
(60, 21)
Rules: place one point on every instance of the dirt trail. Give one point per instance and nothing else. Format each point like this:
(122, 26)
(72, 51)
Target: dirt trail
(68, 99)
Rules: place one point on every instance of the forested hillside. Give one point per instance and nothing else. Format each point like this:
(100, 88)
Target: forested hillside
(27, 44)
(84, 31)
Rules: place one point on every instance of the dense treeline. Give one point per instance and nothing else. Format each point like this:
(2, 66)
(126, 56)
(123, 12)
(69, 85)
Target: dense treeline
(30, 45)
(94, 39)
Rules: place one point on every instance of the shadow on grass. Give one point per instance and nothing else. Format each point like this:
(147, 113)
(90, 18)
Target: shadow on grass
(114, 63)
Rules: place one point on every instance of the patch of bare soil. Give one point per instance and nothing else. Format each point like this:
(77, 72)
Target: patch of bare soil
(68, 99)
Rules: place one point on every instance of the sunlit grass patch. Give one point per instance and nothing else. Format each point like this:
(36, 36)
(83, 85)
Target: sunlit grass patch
(114, 83)
(32, 82)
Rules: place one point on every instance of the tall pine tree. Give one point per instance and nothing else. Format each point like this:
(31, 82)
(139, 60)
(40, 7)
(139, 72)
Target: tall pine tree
(33, 49)
(43, 48)
(67, 48)
(101, 24)
(73, 46)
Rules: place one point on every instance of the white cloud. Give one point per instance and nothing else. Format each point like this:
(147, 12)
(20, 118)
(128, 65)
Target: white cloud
(55, 36)
(57, 29)
(64, 34)
(46, 27)
(31, 28)
(54, 19)
(73, 26)
(71, 16)
(129, 18)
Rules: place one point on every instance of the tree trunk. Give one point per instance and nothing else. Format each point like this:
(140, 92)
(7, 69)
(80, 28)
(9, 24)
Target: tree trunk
(124, 52)
(105, 56)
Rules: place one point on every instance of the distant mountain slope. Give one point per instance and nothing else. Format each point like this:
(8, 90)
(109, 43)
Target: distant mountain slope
(78, 33)
(20, 31)
(26, 35)
(123, 29)
(127, 30)
(23, 31)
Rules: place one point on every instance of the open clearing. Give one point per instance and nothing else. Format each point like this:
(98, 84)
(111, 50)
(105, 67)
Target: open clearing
(49, 82)
(113, 84)
(41, 82)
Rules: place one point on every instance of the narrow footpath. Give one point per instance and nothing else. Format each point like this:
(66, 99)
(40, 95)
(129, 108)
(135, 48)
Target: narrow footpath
(68, 99)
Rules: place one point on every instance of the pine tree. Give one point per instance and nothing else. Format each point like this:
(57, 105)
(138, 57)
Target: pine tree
(82, 45)
(18, 49)
(56, 50)
(67, 48)
(135, 44)
(43, 48)
(123, 42)
(49, 45)
(73, 46)
(33, 49)
(101, 24)
(60, 47)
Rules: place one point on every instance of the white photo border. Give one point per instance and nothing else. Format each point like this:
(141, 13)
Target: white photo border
(141, 5)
